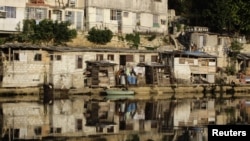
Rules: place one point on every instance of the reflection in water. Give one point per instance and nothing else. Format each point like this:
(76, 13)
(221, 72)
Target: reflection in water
(122, 118)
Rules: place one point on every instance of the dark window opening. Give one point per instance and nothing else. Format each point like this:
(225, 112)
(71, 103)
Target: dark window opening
(142, 58)
(99, 57)
(154, 58)
(79, 62)
(111, 57)
(58, 57)
(38, 57)
(38, 130)
(16, 57)
(51, 57)
(110, 129)
(79, 124)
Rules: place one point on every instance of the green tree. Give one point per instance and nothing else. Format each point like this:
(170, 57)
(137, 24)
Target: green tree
(46, 31)
(28, 31)
(62, 33)
(100, 36)
(230, 16)
(133, 39)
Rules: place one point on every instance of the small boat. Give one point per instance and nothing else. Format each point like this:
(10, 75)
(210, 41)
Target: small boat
(119, 92)
(116, 97)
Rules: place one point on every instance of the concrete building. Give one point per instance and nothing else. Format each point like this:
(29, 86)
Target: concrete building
(127, 16)
(119, 16)
(12, 13)
(190, 67)
(64, 67)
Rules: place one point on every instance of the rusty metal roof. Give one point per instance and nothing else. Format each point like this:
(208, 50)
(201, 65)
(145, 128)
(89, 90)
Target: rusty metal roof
(73, 49)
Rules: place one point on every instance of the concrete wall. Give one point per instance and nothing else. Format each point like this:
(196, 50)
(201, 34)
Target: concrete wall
(25, 71)
(133, 5)
(145, 8)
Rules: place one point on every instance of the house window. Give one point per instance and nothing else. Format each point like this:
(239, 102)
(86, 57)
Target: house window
(38, 57)
(142, 58)
(125, 14)
(99, 57)
(155, 21)
(79, 62)
(110, 129)
(163, 22)
(70, 16)
(115, 15)
(79, 124)
(111, 57)
(10, 12)
(16, 133)
(58, 15)
(99, 15)
(51, 57)
(154, 58)
(58, 57)
(36, 13)
(38, 130)
(130, 58)
(16, 57)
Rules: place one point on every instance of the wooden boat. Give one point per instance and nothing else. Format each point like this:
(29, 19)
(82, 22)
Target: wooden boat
(116, 97)
(119, 92)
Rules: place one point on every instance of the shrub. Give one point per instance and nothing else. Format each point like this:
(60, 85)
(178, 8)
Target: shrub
(133, 39)
(100, 36)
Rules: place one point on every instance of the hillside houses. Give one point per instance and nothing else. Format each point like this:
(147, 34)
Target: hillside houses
(119, 16)
(127, 16)
(13, 13)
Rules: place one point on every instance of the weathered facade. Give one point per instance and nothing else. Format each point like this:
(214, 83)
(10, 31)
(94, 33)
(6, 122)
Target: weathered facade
(64, 67)
(12, 13)
(119, 16)
(127, 16)
(213, 44)
(190, 67)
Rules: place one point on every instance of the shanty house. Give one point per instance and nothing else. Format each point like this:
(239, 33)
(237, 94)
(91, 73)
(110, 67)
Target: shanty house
(64, 67)
(190, 67)
(100, 73)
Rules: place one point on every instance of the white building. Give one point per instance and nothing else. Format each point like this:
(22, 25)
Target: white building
(119, 16)
(12, 13)
(122, 16)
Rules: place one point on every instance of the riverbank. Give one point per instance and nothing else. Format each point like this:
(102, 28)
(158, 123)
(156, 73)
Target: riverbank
(146, 92)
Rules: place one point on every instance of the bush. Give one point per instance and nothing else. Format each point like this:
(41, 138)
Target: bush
(100, 36)
(133, 39)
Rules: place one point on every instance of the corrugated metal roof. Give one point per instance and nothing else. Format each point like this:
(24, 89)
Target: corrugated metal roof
(192, 53)
(74, 49)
